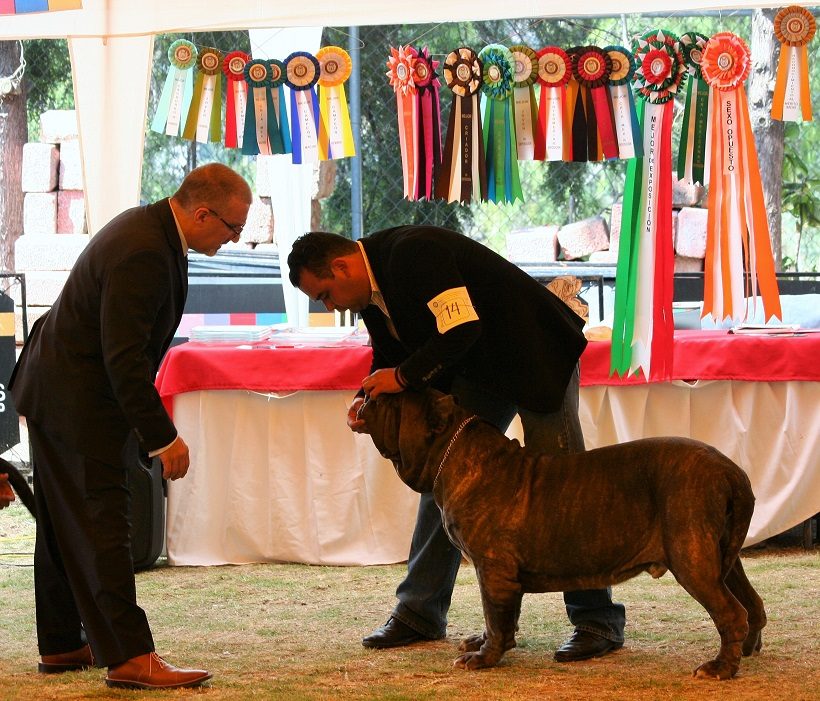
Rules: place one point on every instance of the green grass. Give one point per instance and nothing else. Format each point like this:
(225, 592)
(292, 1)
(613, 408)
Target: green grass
(280, 631)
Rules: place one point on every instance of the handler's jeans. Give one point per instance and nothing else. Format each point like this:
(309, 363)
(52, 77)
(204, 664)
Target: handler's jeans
(424, 595)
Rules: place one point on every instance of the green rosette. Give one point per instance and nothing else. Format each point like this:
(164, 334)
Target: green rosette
(497, 63)
(623, 64)
(277, 72)
(525, 65)
(659, 66)
(692, 45)
(182, 54)
(695, 112)
(258, 74)
(209, 61)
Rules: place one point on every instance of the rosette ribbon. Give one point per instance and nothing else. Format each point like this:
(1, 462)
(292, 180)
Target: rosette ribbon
(553, 136)
(503, 183)
(237, 97)
(739, 262)
(693, 133)
(462, 176)
(301, 75)
(794, 27)
(643, 328)
(593, 131)
(525, 73)
(266, 129)
(204, 122)
(336, 134)
(175, 99)
(428, 111)
(624, 114)
(401, 71)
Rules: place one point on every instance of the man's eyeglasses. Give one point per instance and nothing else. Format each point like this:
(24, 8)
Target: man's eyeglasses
(236, 228)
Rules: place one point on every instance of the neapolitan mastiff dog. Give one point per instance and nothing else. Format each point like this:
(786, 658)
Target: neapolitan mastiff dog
(534, 522)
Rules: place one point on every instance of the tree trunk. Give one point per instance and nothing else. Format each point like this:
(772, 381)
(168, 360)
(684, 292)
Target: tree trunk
(768, 132)
(13, 134)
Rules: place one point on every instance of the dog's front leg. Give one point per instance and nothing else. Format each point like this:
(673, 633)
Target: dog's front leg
(501, 599)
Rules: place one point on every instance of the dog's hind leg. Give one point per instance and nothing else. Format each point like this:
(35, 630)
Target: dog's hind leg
(697, 567)
(501, 599)
(745, 593)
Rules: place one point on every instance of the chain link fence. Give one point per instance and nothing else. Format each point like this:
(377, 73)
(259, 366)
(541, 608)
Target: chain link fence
(554, 192)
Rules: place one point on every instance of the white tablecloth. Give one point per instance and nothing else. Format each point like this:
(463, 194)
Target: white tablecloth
(284, 479)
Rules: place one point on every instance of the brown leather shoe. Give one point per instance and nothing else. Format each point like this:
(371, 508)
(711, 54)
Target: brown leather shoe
(66, 661)
(150, 671)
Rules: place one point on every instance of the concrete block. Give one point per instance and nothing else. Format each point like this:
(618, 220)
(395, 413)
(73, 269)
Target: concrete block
(579, 239)
(685, 264)
(70, 212)
(610, 257)
(686, 194)
(40, 213)
(71, 166)
(42, 287)
(690, 240)
(259, 224)
(48, 251)
(39, 171)
(536, 245)
(32, 314)
(615, 226)
(57, 126)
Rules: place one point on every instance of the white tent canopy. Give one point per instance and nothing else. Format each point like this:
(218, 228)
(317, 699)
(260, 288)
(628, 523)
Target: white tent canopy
(111, 42)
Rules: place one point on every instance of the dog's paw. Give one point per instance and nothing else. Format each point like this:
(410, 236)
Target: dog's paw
(472, 643)
(716, 669)
(476, 660)
(752, 644)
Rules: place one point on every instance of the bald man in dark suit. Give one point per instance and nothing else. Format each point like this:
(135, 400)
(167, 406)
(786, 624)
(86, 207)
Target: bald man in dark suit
(85, 383)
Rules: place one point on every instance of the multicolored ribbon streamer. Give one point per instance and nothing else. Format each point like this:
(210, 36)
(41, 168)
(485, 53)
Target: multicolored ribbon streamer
(553, 136)
(462, 177)
(643, 327)
(234, 69)
(204, 122)
(428, 110)
(591, 68)
(503, 182)
(739, 261)
(175, 99)
(401, 71)
(336, 138)
(794, 27)
(525, 73)
(266, 117)
(624, 116)
(693, 133)
(301, 75)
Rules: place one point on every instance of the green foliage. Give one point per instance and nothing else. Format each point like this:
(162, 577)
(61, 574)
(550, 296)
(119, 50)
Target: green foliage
(47, 80)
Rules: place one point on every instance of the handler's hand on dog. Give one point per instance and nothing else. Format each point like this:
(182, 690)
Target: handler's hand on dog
(353, 421)
(175, 460)
(381, 382)
(6, 495)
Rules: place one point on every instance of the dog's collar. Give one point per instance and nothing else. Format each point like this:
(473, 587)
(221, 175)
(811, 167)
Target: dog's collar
(457, 433)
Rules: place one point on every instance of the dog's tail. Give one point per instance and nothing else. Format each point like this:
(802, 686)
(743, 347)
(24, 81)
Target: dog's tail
(739, 509)
(19, 485)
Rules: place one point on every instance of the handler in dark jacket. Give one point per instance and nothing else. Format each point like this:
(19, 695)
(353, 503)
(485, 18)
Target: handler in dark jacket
(446, 311)
(85, 383)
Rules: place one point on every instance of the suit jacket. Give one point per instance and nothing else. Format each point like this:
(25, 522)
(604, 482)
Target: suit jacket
(524, 345)
(86, 373)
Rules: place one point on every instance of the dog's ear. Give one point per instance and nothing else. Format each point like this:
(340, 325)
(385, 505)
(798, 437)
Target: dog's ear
(440, 411)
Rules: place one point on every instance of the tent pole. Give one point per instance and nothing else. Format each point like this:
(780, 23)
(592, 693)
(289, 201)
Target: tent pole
(357, 224)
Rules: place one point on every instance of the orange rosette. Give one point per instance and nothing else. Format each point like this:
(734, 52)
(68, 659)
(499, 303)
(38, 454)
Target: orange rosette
(401, 69)
(335, 66)
(336, 134)
(401, 72)
(726, 61)
(794, 28)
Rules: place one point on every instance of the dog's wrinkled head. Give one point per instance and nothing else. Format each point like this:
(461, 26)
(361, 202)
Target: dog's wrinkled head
(405, 426)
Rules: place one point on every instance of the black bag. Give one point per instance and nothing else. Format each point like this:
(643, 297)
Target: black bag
(147, 510)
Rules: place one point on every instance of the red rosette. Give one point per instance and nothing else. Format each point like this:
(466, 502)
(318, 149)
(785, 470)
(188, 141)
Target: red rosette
(660, 66)
(591, 66)
(554, 66)
(424, 70)
(726, 61)
(401, 68)
(233, 65)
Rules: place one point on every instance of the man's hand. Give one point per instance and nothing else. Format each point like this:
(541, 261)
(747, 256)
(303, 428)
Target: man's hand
(175, 460)
(382, 381)
(6, 495)
(353, 421)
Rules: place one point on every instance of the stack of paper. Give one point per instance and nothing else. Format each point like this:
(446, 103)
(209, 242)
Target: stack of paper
(234, 333)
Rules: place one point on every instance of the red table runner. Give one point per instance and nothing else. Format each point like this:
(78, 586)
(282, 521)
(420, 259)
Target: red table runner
(699, 355)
